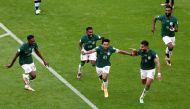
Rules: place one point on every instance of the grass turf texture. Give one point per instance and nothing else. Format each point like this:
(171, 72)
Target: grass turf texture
(58, 30)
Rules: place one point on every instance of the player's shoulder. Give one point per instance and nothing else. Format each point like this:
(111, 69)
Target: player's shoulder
(174, 17)
(152, 51)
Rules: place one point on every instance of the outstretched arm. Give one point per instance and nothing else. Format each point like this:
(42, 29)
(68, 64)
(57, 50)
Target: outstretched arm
(13, 61)
(89, 52)
(39, 54)
(124, 52)
(157, 62)
(134, 52)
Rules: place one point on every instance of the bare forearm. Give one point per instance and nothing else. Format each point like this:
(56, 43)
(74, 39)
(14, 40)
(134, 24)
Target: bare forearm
(124, 52)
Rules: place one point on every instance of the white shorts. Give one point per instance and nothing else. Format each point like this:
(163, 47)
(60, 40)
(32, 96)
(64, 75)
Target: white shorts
(147, 73)
(28, 68)
(105, 69)
(91, 57)
(168, 39)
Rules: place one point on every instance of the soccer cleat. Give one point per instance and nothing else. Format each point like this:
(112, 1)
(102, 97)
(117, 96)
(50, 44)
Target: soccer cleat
(168, 62)
(141, 100)
(27, 87)
(38, 12)
(102, 87)
(105, 93)
(163, 4)
(78, 76)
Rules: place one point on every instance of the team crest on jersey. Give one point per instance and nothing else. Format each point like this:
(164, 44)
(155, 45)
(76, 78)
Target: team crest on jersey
(149, 57)
(108, 53)
(93, 42)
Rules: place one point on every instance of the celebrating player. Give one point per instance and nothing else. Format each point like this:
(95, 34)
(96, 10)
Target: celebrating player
(26, 62)
(169, 27)
(103, 64)
(87, 42)
(148, 60)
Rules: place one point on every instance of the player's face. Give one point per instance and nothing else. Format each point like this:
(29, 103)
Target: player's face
(89, 33)
(168, 12)
(106, 45)
(143, 48)
(31, 41)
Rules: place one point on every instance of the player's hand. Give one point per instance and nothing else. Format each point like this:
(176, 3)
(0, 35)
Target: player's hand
(172, 29)
(159, 77)
(82, 52)
(153, 29)
(133, 52)
(8, 66)
(46, 63)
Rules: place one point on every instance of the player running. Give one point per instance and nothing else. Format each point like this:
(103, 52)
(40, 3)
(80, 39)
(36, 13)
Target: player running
(148, 61)
(103, 64)
(169, 27)
(26, 61)
(87, 42)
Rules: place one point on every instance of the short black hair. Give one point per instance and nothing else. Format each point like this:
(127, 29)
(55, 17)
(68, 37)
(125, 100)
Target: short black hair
(145, 43)
(88, 28)
(168, 6)
(105, 40)
(30, 37)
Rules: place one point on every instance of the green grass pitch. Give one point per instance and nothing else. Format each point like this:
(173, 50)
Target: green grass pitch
(58, 30)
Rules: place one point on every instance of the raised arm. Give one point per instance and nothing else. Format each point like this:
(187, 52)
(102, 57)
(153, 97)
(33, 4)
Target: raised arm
(157, 62)
(39, 54)
(13, 61)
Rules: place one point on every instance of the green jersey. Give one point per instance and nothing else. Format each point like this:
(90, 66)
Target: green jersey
(103, 56)
(147, 59)
(25, 51)
(167, 23)
(89, 43)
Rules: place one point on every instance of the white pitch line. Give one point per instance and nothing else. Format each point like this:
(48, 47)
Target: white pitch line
(3, 35)
(86, 100)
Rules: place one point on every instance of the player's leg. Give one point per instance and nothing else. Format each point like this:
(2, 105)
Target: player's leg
(105, 79)
(37, 6)
(167, 40)
(166, 3)
(172, 3)
(26, 78)
(83, 59)
(92, 58)
(149, 79)
(99, 73)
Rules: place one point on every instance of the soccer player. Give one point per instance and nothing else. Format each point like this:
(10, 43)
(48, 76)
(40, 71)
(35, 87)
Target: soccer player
(168, 3)
(148, 60)
(87, 42)
(169, 27)
(103, 64)
(26, 62)
(37, 6)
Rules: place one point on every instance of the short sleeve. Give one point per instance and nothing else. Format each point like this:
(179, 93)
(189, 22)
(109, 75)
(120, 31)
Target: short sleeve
(160, 17)
(21, 49)
(154, 55)
(35, 46)
(115, 50)
(97, 37)
(97, 49)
